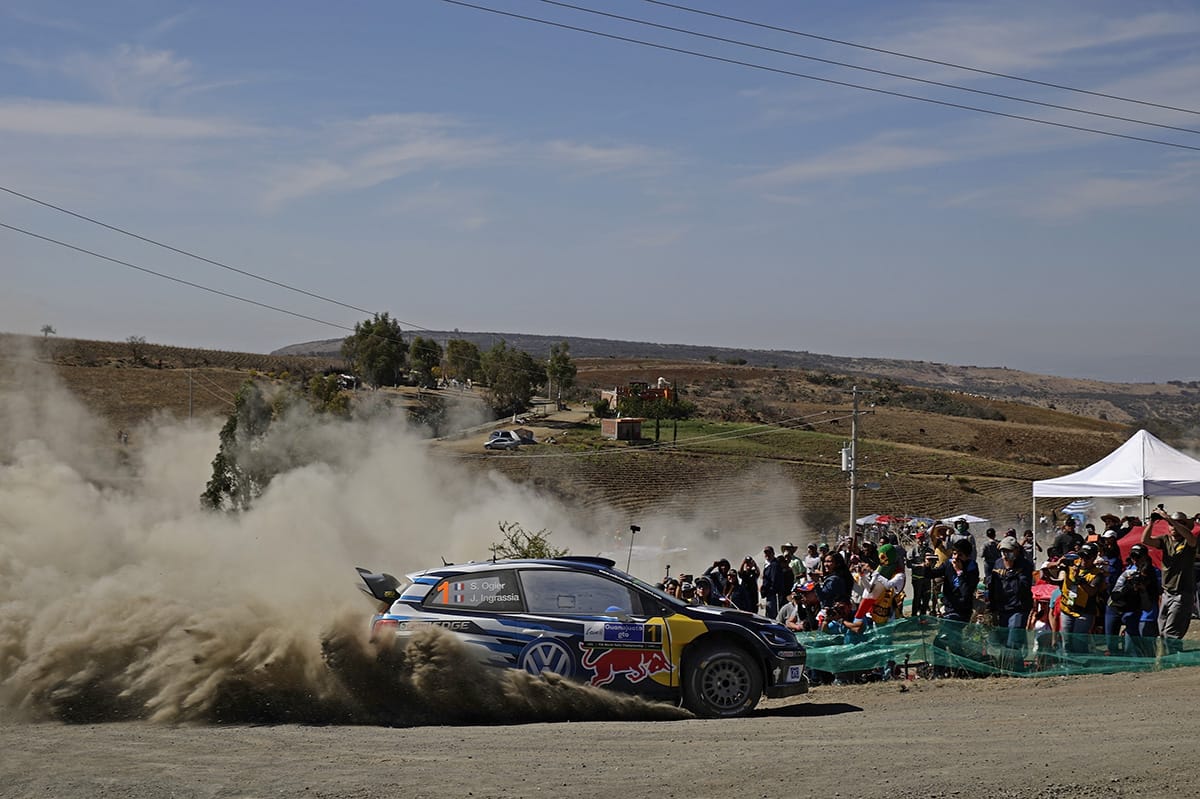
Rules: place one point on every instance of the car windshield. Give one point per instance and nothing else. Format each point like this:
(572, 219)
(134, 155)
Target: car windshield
(658, 592)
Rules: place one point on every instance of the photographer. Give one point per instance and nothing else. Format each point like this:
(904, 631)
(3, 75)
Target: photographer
(1136, 590)
(1082, 583)
(1179, 574)
(745, 594)
(1010, 598)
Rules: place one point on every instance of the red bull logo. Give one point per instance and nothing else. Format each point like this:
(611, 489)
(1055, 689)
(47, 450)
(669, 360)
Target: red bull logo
(635, 664)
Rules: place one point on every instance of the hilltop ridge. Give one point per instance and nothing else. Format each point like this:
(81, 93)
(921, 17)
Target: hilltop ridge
(1171, 408)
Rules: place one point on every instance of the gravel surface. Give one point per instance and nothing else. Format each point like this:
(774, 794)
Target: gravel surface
(1097, 736)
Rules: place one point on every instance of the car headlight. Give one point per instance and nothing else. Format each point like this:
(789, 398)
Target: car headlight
(778, 637)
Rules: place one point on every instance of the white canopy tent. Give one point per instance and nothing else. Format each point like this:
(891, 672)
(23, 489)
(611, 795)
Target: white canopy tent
(1144, 466)
(965, 516)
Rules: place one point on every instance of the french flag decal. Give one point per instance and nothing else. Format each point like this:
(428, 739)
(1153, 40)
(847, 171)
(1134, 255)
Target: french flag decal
(459, 598)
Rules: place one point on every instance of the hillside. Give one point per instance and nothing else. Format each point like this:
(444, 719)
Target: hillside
(1169, 409)
(762, 432)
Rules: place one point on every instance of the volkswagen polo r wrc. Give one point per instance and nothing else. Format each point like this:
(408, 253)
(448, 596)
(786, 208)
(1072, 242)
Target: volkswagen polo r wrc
(583, 619)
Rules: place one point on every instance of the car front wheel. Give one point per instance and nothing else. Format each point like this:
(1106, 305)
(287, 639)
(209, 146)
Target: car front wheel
(722, 680)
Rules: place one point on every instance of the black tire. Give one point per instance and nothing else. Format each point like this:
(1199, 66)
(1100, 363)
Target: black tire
(722, 680)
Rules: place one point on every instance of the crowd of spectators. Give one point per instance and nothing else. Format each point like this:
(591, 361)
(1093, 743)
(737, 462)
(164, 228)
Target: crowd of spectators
(1084, 598)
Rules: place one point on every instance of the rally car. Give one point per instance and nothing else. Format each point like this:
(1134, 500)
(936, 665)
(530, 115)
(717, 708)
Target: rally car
(581, 618)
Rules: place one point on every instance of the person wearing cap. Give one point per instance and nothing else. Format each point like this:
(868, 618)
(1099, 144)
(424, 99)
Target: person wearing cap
(1136, 591)
(962, 531)
(1010, 599)
(1082, 583)
(1179, 574)
(1090, 536)
(1111, 560)
(1067, 539)
(800, 612)
(799, 572)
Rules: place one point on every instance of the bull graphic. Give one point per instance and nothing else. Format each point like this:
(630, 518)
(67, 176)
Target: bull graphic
(635, 664)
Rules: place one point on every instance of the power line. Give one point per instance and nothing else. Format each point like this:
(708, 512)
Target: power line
(912, 57)
(181, 251)
(110, 259)
(831, 81)
(884, 72)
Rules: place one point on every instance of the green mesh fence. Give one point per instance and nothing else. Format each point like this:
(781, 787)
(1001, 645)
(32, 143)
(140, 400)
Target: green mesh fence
(981, 649)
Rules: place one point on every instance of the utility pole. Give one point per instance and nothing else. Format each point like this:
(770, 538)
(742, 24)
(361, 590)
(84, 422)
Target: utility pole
(850, 464)
(854, 470)
(190, 393)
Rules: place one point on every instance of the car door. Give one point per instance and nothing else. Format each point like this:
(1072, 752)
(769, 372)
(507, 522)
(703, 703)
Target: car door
(608, 639)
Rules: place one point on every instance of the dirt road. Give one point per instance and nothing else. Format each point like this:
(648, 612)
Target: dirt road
(1098, 736)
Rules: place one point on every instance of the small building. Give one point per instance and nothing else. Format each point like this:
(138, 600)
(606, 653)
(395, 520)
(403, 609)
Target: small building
(628, 428)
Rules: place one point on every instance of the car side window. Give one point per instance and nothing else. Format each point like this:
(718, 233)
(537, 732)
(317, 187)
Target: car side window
(555, 592)
(491, 591)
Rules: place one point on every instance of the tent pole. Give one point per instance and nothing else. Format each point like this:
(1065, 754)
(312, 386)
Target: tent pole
(1033, 524)
(1145, 500)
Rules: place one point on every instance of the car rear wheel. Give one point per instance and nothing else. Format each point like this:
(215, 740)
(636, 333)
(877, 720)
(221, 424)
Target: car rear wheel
(722, 680)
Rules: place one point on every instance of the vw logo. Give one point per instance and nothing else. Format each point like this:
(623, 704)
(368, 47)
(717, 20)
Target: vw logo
(546, 654)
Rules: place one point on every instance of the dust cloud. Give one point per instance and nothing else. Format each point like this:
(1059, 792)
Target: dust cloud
(120, 598)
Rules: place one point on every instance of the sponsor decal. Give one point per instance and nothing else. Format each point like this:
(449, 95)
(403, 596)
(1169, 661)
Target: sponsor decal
(634, 665)
(546, 654)
(794, 673)
(457, 626)
(620, 634)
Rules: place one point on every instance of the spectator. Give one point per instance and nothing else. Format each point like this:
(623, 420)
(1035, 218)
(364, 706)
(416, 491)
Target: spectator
(962, 530)
(1179, 575)
(800, 612)
(706, 593)
(1010, 599)
(718, 572)
(1030, 546)
(687, 593)
(920, 565)
(812, 563)
(991, 552)
(1068, 540)
(835, 586)
(745, 596)
(794, 563)
(960, 578)
(1137, 589)
(1082, 582)
(891, 570)
(777, 582)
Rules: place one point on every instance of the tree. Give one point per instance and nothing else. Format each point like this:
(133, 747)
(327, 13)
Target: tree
(462, 359)
(236, 479)
(425, 355)
(48, 330)
(520, 543)
(560, 369)
(512, 376)
(376, 350)
(326, 395)
(137, 347)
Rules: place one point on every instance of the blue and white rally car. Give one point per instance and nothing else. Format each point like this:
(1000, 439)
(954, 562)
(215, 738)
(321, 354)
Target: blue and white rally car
(584, 619)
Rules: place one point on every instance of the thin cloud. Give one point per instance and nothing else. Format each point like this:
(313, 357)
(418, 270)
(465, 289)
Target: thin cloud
(359, 154)
(86, 120)
(130, 74)
(599, 157)
(1067, 200)
(869, 158)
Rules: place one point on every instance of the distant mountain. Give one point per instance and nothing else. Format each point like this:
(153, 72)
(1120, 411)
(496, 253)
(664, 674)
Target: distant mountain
(1170, 408)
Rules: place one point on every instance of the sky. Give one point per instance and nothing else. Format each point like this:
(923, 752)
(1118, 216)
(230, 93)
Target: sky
(464, 170)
